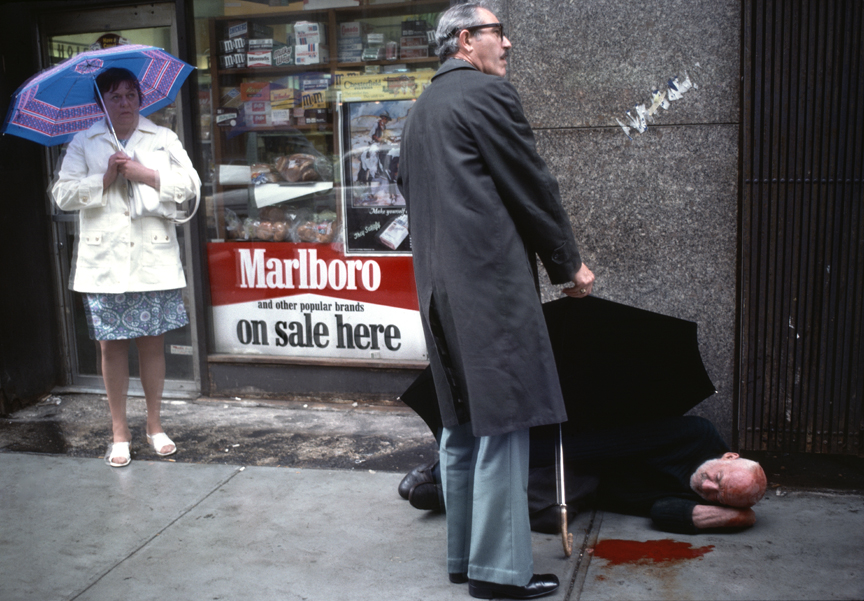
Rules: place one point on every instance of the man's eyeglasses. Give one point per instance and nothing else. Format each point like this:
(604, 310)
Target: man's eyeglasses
(497, 29)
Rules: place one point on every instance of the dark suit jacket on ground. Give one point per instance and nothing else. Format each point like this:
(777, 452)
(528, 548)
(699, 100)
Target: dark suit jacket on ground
(480, 202)
(641, 469)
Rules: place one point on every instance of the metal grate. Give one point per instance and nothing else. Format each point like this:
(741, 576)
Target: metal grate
(801, 350)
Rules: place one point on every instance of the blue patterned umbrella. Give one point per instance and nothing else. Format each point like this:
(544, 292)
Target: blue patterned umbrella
(54, 105)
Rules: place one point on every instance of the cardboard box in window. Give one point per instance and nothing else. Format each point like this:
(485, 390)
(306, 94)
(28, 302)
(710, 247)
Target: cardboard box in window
(311, 54)
(256, 113)
(247, 29)
(307, 32)
(227, 117)
(254, 90)
(311, 116)
(283, 55)
(415, 52)
(259, 58)
(413, 41)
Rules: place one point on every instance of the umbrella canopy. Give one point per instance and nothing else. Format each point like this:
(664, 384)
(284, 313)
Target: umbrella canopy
(54, 105)
(617, 365)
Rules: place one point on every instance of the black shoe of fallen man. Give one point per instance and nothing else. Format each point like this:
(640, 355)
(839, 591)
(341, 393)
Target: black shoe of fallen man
(427, 496)
(419, 475)
(539, 585)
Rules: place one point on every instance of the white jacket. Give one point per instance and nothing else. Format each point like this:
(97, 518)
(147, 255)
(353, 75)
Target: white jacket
(113, 252)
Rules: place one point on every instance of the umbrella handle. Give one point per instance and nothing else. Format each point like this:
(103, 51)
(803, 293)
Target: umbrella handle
(105, 112)
(566, 536)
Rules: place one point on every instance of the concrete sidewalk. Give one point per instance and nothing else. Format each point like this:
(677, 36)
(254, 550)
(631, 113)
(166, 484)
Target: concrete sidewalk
(272, 500)
(72, 528)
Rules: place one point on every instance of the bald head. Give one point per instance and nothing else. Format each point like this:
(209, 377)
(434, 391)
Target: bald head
(730, 480)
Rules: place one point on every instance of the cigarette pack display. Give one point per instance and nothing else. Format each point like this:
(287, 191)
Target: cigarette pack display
(395, 233)
(259, 58)
(246, 29)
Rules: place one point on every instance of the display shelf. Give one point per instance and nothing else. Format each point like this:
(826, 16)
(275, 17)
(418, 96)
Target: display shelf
(262, 143)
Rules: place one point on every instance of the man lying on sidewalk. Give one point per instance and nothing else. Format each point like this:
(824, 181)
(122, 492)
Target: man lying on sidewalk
(677, 470)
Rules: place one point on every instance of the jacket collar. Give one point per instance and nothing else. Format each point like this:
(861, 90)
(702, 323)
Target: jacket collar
(452, 64)
(100, 128)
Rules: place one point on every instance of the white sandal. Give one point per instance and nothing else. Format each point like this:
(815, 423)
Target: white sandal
(121, 450)
(160, 441)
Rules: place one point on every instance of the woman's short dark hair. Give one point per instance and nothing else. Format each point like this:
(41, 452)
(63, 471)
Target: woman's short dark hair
(109, 79)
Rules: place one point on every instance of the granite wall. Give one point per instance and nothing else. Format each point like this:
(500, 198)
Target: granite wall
(655, 216)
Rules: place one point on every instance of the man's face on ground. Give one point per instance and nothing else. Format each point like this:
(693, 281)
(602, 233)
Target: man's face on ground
(489, 50)
(729, 480)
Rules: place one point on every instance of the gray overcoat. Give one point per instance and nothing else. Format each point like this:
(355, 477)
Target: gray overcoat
(481, 202)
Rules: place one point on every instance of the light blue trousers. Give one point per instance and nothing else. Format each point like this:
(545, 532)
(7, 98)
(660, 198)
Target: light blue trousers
(486, 498)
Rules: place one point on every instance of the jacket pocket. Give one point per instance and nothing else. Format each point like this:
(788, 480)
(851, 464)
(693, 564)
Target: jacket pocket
(93, 249)
(160, 246)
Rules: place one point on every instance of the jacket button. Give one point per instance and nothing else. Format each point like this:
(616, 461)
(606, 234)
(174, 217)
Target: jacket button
(126, 213)
(131, 244)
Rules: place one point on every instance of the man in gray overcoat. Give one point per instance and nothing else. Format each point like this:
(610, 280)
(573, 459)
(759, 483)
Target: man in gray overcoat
(481, 203)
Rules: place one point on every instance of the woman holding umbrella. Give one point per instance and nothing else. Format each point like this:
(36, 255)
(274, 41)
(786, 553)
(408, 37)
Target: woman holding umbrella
(127, 264)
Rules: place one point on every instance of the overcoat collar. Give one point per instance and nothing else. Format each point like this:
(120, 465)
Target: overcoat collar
(145, 126)
(451, 64)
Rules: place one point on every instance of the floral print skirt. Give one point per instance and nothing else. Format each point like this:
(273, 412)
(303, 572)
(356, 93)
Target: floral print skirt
(134, 314)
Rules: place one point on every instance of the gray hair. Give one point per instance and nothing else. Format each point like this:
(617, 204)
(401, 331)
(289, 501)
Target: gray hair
(452, 21)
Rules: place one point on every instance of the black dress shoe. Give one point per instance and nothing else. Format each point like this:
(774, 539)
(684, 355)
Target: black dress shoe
(539, 585)
(458, 577)
(428, 496)
(419, 475)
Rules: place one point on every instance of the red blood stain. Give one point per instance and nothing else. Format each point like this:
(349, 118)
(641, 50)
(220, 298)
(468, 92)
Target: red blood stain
(652, 551)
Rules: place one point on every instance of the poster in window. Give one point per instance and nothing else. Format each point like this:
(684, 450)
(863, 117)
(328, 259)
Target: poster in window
(376, 219)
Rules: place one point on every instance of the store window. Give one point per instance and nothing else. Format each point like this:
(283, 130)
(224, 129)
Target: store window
(302, 107)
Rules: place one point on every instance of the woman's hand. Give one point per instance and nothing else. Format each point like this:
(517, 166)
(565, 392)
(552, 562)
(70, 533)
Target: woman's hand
(136, 172)
(115, 161)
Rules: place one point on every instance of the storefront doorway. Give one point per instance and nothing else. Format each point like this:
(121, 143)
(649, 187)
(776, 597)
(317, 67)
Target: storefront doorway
(64, 34)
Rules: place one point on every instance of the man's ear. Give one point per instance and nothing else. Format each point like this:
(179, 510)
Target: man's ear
(466, 43)
(730, 455)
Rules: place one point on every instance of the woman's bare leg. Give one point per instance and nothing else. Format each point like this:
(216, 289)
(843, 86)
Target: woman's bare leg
(115, 373)
(151, 365)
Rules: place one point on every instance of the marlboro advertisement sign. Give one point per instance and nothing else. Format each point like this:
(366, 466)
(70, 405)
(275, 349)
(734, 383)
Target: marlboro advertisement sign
(309, 300)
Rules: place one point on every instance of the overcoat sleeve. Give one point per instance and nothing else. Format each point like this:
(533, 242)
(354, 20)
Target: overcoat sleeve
(526, 187)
